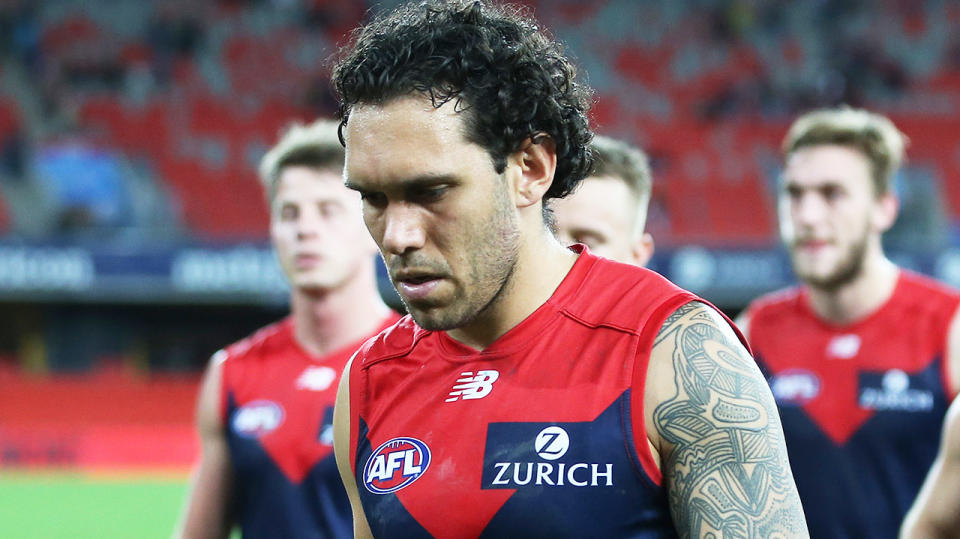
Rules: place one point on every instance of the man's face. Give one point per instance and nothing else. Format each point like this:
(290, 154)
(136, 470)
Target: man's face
(316, 229)
(828, 213)
(602, 213)
(443, 218)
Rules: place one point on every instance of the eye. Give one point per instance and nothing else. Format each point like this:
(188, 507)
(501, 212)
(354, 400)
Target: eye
(289, 212)
(426, 195)
(793, 192)
(589, 239)
(330, 209)
(376, 200)
(831, 192)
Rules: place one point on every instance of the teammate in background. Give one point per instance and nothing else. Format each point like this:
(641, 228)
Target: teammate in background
(857, 356)
(537, 391)
(936, 512)
(265, 409)
(608, 210)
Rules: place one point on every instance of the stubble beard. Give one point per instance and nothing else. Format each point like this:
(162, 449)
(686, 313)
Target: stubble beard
(848, 268)
(491, 255)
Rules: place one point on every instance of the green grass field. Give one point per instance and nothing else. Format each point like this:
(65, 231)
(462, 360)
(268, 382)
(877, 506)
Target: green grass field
(73, 505)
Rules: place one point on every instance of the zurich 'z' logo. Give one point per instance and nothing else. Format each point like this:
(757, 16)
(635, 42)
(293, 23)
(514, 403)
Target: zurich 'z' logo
(395, 464)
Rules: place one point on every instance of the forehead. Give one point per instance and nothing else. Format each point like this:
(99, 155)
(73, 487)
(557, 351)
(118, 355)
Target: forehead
(601, 195)
(404, 138)
(299, 181)
(828, 163)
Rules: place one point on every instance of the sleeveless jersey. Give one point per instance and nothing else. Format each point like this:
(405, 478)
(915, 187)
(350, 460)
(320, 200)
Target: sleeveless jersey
(277, 411)
(540, 434)
(862, 404)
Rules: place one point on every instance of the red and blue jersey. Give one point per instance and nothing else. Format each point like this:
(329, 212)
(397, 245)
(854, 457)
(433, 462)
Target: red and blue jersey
(862, 404)
(277, 411)
(541, 434)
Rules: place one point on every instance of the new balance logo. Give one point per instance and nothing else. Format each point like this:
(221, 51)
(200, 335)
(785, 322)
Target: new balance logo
(471, 386)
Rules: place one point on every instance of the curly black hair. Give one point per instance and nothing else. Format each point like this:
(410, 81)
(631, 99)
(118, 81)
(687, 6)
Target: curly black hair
(513, 81)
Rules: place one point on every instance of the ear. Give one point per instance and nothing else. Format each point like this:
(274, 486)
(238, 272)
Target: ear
(642, 249)
(885, 211)
(536, 163)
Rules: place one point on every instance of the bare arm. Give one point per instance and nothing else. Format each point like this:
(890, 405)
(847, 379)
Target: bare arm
(743, 322)
(953, 353)
(205, 513)
(341, 447)
(936, 511)
(718, 433)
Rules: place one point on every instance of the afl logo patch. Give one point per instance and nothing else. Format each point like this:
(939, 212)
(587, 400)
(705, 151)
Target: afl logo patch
(257, 418)
(795, 386)
(395, 464)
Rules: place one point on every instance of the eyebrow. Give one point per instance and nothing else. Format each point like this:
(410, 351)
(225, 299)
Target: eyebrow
(423, 180)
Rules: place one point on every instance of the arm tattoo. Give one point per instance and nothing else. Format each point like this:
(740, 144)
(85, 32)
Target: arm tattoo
(726, 470)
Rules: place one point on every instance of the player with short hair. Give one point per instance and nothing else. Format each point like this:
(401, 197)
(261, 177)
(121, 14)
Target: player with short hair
(608, 210)
(857, 356)
(536, 391)
(265, 409)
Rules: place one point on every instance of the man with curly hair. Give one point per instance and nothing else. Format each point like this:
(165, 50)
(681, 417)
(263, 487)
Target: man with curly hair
(536, 390)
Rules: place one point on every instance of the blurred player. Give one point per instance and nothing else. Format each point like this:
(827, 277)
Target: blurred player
(936, 512)
(608, 210)
(857, 356)
(265, 410)
(515, 401)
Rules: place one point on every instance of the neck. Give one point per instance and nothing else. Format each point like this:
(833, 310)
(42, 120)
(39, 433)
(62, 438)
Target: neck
(327, 320)
(542, 264)
(860, 297)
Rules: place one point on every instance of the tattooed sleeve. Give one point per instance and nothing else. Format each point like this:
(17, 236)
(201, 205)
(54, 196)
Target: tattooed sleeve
(725, 460)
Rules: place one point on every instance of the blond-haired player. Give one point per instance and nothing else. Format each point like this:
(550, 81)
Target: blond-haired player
(857, 355)
(608, 211)
(265, 410)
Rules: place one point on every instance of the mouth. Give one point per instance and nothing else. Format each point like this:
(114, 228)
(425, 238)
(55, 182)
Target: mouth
(812, 244)
(302, 261)
(416, 286)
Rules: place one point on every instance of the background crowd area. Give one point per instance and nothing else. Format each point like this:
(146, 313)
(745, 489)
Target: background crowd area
(133, 230)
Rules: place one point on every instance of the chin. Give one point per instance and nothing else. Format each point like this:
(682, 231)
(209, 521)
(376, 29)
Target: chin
(314, 285)
(434, 319)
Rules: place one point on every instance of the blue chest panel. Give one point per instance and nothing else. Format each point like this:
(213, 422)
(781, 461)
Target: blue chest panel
(864, 487)
(269, 504)
(563, 479)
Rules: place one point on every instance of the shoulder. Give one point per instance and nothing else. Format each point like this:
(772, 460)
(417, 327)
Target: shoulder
(777, 307)
(396, 340)
(775, 303)
(624, 296)
(261, 343)
(930, 303)
(916, 287)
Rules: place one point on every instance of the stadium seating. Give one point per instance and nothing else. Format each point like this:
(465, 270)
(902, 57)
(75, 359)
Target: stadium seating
(708, 90)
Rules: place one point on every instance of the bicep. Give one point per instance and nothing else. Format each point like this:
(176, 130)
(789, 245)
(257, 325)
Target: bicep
(953, 353)
(205, 514)
(936, 511)
(713, 417)
(344, 453)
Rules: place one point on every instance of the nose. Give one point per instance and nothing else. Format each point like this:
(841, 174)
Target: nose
(808, 209)
(309, 224)
(402, 229)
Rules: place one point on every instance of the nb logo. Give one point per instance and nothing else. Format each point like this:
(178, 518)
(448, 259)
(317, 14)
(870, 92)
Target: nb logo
(470, 386)
(316, 378)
